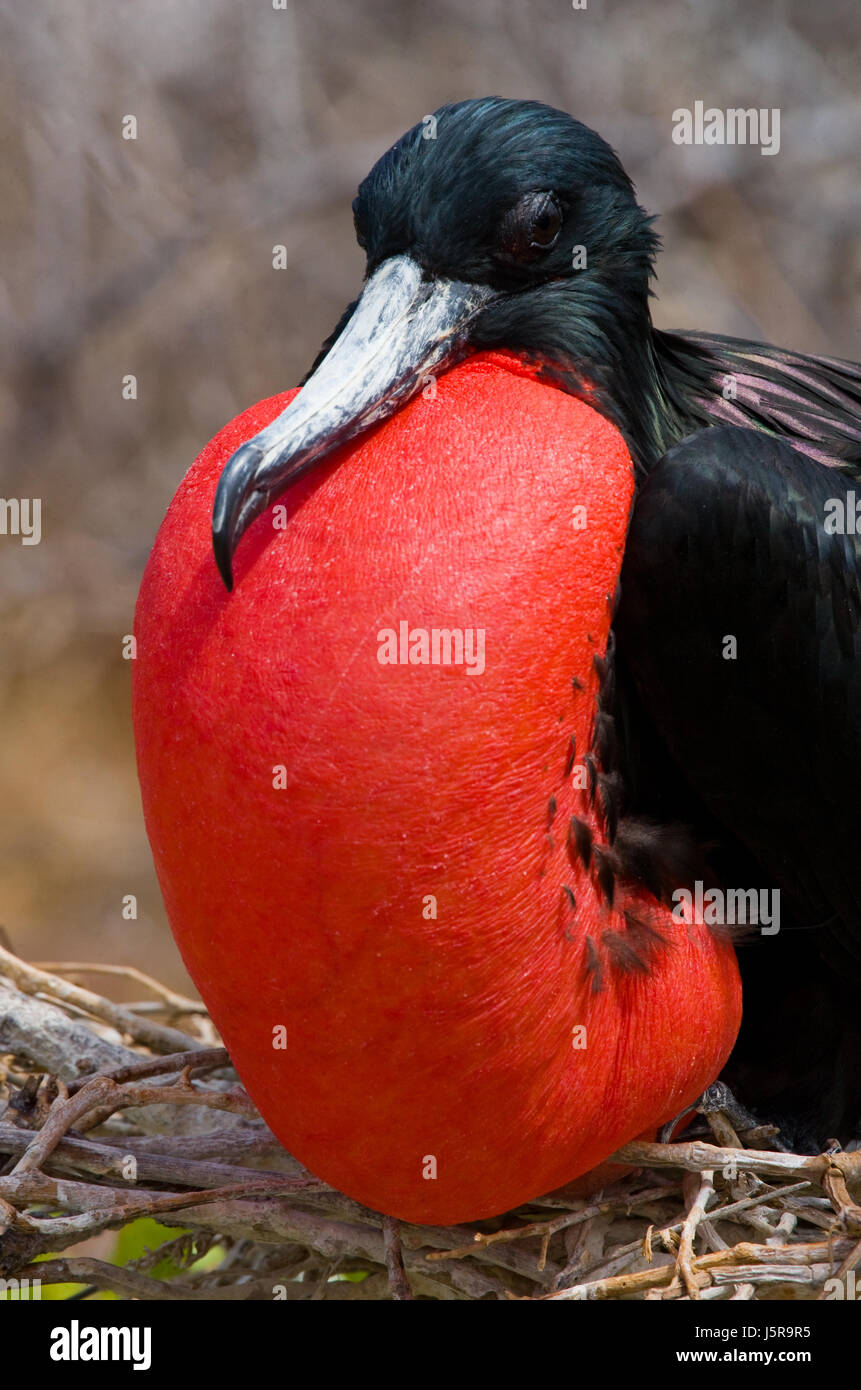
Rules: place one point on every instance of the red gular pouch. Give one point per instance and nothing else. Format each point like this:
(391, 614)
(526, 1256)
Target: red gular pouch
(359, 779)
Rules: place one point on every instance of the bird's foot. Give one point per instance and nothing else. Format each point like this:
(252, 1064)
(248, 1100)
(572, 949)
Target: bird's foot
(718, 1098)
(728, 1119)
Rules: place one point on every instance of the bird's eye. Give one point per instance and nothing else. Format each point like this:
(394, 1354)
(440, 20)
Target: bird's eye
(547, 222)
(357, 223)
(530, 227)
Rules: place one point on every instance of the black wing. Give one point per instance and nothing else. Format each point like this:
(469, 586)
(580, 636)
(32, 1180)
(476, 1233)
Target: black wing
(814, 402)
(739, 647)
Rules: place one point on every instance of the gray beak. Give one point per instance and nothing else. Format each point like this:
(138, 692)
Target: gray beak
(403, 327)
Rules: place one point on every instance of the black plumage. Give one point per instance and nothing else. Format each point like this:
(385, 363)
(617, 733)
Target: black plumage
(728, 539)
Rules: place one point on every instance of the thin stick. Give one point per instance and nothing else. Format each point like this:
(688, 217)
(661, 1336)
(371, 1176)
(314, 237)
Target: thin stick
(103, 1092)
(399, 1285)
(848, 1211)
(99, 1274)
(699, 1158)
(695, 1214)
(549, 1228)
(30, 980)
(177, 1003)
(849, 1263)
(197, 1061)
(788, 1256)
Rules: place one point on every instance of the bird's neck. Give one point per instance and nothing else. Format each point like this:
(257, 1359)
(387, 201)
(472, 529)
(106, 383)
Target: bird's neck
(594, 338)
(604, 349)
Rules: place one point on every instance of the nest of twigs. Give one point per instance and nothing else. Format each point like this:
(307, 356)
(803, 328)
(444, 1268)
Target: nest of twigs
(110, 1113)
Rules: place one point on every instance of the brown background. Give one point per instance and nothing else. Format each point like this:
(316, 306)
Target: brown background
(153, 257)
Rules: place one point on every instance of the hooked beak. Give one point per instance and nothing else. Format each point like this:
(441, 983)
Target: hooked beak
(402, 327)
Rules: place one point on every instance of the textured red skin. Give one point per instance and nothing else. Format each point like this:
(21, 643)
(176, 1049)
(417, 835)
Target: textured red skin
(302, 907)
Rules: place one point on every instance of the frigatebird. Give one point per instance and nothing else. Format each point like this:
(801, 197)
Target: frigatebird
(445, 975)
(515, 226)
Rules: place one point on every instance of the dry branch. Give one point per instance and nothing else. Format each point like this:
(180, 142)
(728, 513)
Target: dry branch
(31, 980)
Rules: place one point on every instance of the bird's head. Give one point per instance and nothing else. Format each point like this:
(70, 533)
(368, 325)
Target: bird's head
(491, 224)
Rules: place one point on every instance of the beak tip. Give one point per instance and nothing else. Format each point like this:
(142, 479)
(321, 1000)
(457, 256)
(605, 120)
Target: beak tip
(231, 498)
(223, 559)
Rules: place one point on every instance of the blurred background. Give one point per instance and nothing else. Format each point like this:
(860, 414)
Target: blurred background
(153, 257)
